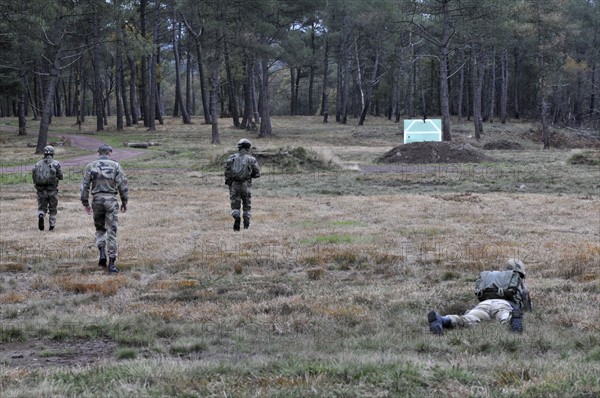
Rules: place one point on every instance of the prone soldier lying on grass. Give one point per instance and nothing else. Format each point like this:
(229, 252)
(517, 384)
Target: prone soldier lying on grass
(503, 296)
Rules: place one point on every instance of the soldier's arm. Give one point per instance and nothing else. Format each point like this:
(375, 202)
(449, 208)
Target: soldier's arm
(59, 173)
(85, 186)
(227, 167)
(527, 304)
(255, 169)
(122, 186)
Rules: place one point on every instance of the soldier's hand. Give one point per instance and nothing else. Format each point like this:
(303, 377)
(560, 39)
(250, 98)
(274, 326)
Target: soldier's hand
(123, 207)
(88, 209)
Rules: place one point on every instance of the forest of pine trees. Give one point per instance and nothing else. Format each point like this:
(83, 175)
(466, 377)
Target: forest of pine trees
(245, 60)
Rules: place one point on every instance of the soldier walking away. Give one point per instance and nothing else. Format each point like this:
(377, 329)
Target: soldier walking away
(240, 169)
(45, 174)
(504, 302)
(105, 178)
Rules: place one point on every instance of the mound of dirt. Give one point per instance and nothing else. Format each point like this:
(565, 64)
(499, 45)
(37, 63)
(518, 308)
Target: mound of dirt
(434, 152)
(588, 158)
(566, 139)
(289, 160)
(503, 144)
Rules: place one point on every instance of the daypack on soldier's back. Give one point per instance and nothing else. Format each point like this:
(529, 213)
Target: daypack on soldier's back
(238, 167)
(44, 173)
(504, 285)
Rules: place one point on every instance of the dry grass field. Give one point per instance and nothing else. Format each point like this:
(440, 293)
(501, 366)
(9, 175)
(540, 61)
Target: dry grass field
(326, 294)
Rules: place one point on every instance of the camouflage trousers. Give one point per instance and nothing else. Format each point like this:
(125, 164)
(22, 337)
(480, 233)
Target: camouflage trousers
(498, 309)
(48, 203)
(240, 196)
(106, 221)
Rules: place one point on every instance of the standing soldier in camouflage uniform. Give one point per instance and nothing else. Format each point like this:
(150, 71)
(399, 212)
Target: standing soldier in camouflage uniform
(105, 178)
(240, 169)
(504, 311)
(45, 174)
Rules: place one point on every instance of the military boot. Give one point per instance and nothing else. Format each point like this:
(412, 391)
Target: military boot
(102, 260)
(436, 323)
(41, 222)
(236, 223)
(246, 222)
(111, 265)
(516, 320)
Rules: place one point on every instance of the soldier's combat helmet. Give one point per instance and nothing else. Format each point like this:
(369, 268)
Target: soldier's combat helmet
(244, 143)
(104, 149)
(515, 265)
(49, 150)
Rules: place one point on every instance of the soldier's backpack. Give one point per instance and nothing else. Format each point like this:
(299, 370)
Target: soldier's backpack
(504, 285)
(45, 173)
(238, 168)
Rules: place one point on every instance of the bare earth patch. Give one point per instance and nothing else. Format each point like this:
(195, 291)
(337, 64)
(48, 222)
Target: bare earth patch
(503, 144)
(434, 152)
(43, 353)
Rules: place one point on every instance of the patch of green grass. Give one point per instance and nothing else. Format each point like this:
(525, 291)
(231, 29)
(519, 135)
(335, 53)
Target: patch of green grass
(126, 353)
(593, 355)
(453, 373)
(51, 353)
(187, 346)
(329, 239)
(347, 223)
(11, 333)
(15, 178)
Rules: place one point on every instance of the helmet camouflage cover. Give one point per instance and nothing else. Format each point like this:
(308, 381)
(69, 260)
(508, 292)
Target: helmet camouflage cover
(244, 143)
(515, 265)
(49, 150)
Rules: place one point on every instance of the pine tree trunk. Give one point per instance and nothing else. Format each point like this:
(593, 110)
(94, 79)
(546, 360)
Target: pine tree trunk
(504, 86)
(370, 87)
(265, 106)
(515, 82)
(293, 106)
(248, 83)
(477, 83)
(214, 92)
(233, 106)
(188, 83)
(339, 86)
(201, 73)
(492, 109)
(593, 95)
(203, 95)
(144, 91)
(461, 85)
(97, 79)
(54, 73)
(324, 100)
(22, 103)
(346, 92)
(399, 78)
(118, 78)
(133, 101)
(176, 32)
(158, 102)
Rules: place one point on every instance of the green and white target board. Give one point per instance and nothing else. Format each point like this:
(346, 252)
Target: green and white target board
(419, 130)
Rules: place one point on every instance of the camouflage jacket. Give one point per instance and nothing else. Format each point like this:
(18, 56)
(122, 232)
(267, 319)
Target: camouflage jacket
(104, 176)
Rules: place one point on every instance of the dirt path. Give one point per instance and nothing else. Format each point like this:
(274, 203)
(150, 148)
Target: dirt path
(83, 142)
